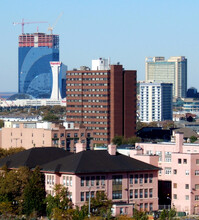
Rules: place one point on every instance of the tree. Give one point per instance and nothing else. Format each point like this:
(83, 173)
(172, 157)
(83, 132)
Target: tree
(1, 123)
(100, 205)
(139, 215)
(193, 139)
(50, 117)
(34, 194)
(118, 140)
(60, 204)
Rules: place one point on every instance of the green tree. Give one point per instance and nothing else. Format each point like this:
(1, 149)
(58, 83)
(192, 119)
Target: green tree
(164, 214)
(1, 123)
(60, 204)
(133, 140)
(172, 213)
(139, 215)
(100, 205)
(193, 139)
(34, 194)
(118, 140)
(50, 117)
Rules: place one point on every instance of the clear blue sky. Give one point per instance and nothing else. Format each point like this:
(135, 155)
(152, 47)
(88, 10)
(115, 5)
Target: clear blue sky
(127, 31)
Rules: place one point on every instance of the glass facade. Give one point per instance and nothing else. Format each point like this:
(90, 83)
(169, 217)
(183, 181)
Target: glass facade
(173, 70)
(35, 75)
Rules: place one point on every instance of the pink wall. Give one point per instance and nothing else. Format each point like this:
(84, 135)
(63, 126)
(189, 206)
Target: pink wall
(180, 170)
(126, 187)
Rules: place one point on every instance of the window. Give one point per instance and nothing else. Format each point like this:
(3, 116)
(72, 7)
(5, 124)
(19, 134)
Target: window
(87, 180)
(175, 185)
(168, 170)
(174, 171)
(150, 193)
(179, 161)
(92, 180)
(197, 197)
(197, 172)
(186, 172)
(121, 211)
(117, 180)
(67, 181)
(151, 178)
(141, 206)
(141, 193)
(146, 206)
(71, 181)
(82, 196)
(167, 156)
(184, 161)
(146, 193)
(197, 161)
(141, 178)
(82, 181)
(159, 153)
(92, 194)
(150, 206)
(196, 186)
(175, 196)
(87, 196)
(146, 178)
(97, 180)
(102, 180)
(131, 194)
(186, 197)
(136, 179)
(117, 194)
(136, 193)
(186, 186)
(131, 179)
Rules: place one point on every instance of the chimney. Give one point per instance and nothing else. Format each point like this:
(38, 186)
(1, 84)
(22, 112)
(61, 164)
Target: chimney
(80, 147)
(179, 136)
(112, 149)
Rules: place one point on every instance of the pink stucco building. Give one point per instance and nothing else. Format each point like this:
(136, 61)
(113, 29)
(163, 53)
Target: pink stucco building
(127, 182)
(179, 174)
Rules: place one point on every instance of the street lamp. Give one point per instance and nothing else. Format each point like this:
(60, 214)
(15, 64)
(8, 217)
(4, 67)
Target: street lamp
(89, 202)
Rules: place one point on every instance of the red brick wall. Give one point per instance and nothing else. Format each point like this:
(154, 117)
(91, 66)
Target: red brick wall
(116, 101)
(129, 103)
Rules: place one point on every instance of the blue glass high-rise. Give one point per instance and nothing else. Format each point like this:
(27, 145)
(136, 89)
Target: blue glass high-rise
(35, 53)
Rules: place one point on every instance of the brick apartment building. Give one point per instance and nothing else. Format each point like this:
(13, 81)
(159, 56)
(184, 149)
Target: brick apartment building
(103, 99)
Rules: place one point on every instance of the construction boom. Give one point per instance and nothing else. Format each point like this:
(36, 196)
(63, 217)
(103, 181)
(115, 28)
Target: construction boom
(31, 22)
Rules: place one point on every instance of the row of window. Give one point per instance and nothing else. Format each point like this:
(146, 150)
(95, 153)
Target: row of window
(85, 74)
(88, 90)
(92, 181)
(87, 79)
(88, 84)
(168, 171)
(87, 95)
(141, 193)
(67, 180)
(79, 116)
(89, 100)
(134, 179)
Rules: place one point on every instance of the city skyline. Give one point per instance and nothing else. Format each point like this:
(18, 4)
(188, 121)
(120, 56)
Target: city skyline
(126, 31)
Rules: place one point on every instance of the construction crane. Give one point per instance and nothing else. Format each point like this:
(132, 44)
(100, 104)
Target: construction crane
(50, 28)
(31, 22)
